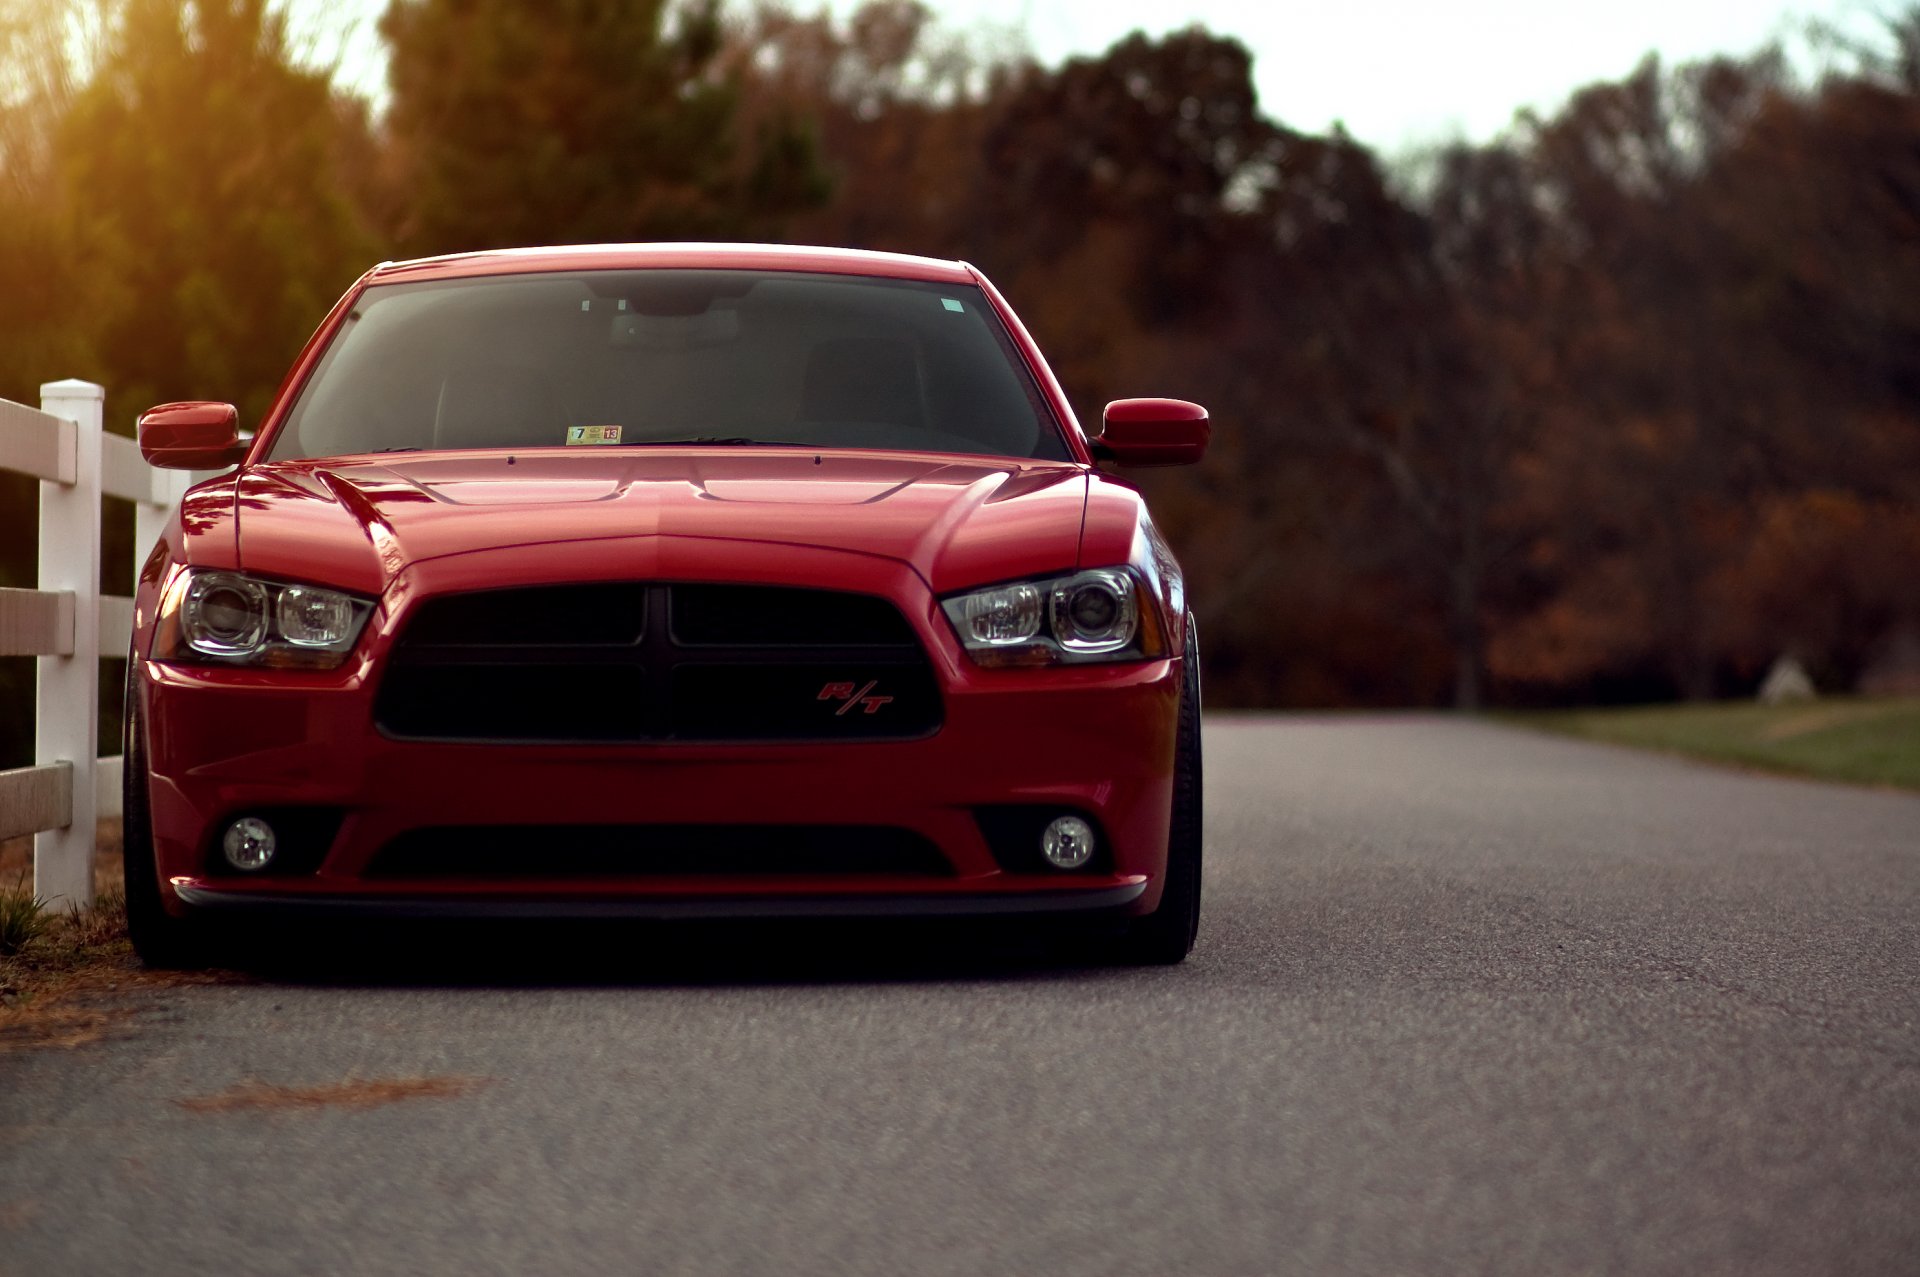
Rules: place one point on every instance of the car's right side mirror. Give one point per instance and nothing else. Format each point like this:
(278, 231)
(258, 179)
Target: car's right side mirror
(1153, 432)
(191, 436)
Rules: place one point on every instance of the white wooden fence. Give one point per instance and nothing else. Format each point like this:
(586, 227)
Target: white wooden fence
(68, 624)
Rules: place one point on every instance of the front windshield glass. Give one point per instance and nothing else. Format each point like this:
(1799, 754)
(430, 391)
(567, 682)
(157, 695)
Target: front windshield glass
(651, 357)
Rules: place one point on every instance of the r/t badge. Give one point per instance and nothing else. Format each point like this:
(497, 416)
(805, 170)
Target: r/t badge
(848, 697)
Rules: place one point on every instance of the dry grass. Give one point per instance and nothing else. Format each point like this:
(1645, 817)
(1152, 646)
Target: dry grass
(354, 1093)
(22, 918)
(61, 988)
(1861, 740)
(16, 858)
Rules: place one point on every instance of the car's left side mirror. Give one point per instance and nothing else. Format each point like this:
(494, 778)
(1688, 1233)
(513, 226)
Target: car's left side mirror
(1153, 432)
(191, 436)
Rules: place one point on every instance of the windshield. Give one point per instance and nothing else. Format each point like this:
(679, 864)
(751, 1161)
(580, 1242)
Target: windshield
(650, 357)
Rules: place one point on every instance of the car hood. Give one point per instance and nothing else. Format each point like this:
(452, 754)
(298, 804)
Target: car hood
(356, 522)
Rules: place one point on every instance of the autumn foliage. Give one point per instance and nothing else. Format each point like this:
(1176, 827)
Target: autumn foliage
(1621, 405)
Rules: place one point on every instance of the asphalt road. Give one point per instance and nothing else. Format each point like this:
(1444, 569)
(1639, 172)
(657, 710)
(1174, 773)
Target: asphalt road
(1466, 1000)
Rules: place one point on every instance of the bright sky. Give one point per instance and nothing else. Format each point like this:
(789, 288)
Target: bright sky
(1403, 72)
(1397, 73)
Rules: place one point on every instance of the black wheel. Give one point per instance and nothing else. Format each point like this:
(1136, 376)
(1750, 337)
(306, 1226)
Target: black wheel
(1166, 935)
(160, 939)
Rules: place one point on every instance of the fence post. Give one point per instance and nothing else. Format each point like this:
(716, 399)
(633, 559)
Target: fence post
(67, 712)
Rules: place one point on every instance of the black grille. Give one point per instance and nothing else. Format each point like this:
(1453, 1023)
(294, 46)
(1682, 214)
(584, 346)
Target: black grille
(770, 616)
(618, 851)
(545, 616)
(635, 662)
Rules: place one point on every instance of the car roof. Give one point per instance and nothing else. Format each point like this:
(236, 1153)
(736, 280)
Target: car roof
(787, 257)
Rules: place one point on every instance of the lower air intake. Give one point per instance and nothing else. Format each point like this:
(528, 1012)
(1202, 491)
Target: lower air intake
(652, 851)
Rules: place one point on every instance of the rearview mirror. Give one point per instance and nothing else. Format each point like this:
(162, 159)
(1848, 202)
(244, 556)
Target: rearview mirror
(191, 436)
(1154, 432)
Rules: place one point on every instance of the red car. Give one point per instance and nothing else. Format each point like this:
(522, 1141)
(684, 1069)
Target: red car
(665, 581)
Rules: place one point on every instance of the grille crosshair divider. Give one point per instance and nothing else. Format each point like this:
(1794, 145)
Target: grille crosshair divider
(657, 663)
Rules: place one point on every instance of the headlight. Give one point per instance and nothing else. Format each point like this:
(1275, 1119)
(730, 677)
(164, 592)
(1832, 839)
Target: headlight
(1101, 615)
(224, 618)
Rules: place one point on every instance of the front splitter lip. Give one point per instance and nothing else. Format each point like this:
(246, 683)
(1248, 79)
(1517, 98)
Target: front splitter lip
(200, 896)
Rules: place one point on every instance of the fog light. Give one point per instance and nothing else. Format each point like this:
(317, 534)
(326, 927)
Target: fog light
(248, 844)
(1067, 842)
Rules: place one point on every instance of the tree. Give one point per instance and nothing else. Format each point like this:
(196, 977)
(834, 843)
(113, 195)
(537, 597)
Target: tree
(579, 121)
(38, 324)
(198, 173)
(1392, 339)
(899, 106)
(1735, 342)
(1156, 139)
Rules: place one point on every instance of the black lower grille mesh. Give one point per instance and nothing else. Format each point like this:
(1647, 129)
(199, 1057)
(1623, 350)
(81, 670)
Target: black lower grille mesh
(620, 851)
(628, 662)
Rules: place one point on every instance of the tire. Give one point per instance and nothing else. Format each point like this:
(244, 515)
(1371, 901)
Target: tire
(162, 940)
(1166, 935)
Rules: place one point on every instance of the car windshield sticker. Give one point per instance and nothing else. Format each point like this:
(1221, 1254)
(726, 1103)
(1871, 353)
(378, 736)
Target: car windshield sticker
(951, 304)
(592, 434)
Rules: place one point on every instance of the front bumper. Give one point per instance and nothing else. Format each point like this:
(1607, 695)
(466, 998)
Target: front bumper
(212, 896)
(1097, 739)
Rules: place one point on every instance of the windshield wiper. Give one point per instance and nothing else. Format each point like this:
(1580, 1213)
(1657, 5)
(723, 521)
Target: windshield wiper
(398, 450)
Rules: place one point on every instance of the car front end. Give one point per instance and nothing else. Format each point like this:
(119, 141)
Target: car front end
(718, 677)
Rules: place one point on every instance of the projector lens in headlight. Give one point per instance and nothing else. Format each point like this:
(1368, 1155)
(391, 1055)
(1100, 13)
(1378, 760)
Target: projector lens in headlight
(1095, 611)
(224, 614)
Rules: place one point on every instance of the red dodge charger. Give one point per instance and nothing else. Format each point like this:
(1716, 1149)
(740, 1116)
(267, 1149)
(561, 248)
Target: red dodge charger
(665, 581)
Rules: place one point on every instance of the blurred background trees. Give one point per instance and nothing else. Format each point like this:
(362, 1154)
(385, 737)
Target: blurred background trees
(198, 177)
(1620, 405)
(578, 122)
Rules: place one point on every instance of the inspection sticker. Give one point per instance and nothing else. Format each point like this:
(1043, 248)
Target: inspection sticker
(953, 305)
(592, 434)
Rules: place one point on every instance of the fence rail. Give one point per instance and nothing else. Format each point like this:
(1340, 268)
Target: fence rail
(67, 623)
